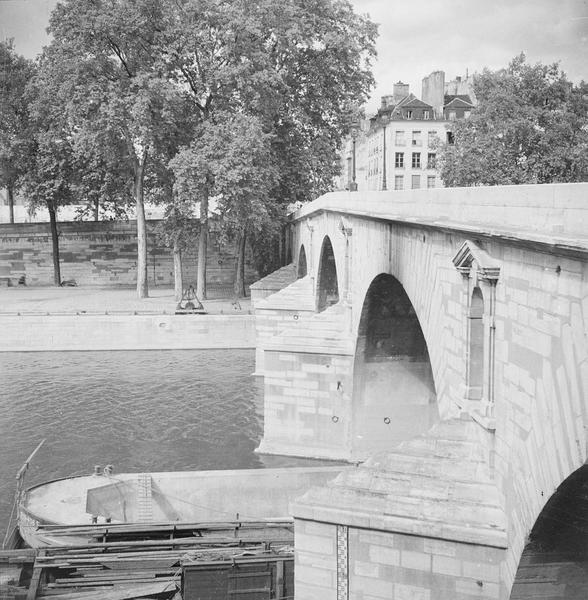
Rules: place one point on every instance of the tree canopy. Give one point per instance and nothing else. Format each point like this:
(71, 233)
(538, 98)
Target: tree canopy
(15, 74)
(530, 126)
(248, 99)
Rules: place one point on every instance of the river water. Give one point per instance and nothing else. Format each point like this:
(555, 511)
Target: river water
(139, 411)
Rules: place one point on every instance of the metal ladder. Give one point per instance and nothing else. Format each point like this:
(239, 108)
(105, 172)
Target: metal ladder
(144, 498)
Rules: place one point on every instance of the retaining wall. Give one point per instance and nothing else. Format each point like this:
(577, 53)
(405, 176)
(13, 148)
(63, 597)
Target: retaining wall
(104, 253)
(22, 333)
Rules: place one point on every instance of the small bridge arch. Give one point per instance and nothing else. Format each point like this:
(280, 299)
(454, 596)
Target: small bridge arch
(327, 281)
(302, 267)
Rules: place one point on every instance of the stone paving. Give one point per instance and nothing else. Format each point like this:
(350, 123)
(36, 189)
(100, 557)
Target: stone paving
(53, 300)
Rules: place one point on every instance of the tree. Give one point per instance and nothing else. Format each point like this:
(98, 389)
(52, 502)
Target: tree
(233, 161)
(48, 176)
(108, 64)
(295, 66)
(15, 73)
(530, 126)
(177, 231)
(102, 184)
(245, 177)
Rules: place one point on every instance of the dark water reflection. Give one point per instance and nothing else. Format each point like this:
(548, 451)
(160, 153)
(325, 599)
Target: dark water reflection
(140, 411)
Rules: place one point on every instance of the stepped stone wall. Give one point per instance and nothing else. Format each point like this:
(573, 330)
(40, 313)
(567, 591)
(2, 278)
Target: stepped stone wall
(104, 253)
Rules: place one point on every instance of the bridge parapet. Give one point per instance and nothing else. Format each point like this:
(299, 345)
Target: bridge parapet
(554, 214)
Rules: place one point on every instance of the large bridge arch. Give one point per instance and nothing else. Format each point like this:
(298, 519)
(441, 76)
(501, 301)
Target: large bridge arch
(556, 545)
(394, 395)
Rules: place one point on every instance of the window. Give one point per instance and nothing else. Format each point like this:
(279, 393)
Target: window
(450, 138)
(409, 114)
(432, 138)
(466, 114)
(399, 160)
(416, 182)
(426, 115)
(400, 138)
(431, 160)
(416, 138)
(399, 182)
(430, 181)
(452, 115)
(416, 160)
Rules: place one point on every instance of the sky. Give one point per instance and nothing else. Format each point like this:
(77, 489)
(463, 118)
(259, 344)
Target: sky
(416, 37)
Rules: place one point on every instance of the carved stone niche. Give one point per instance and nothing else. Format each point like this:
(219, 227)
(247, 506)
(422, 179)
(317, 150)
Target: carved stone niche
(480, 272)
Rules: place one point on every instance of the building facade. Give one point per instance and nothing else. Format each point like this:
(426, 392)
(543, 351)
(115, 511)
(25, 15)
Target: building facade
(396, 149)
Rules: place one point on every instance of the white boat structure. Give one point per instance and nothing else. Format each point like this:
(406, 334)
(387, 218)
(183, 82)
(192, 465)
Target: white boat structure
(67, 511)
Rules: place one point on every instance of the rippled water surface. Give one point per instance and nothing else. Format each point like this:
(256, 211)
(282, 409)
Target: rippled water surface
(140, 411)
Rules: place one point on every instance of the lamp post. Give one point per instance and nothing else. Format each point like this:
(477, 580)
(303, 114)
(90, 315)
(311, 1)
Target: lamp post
(353, 132)
(384, 120)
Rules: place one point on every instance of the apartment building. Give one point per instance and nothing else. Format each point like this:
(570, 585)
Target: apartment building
(396, 149)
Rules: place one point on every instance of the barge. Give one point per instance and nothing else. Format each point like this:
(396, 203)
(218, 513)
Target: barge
(66, 511)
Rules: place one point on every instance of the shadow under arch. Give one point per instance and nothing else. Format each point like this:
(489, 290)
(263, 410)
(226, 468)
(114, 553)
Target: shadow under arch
(327, 282)
(394, 397)
(555, 558)
(302, 268)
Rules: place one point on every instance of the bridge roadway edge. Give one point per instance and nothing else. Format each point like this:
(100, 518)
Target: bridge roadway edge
(541, 398)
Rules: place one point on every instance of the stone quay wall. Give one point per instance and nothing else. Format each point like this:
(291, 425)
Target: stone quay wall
(35, 333)
(104, 253)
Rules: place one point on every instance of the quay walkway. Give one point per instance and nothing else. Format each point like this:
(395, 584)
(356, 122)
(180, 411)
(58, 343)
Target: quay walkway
(86, 318)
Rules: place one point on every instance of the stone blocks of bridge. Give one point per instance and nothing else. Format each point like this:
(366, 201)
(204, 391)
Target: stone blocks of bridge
(535, 372)
(307, 368)
(425, 521)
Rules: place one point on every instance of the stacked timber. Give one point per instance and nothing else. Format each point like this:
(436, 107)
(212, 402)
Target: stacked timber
(131, 568)
(15, 571)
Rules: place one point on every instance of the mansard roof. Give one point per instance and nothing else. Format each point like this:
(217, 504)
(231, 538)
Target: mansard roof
(460, 101)
(414, 102)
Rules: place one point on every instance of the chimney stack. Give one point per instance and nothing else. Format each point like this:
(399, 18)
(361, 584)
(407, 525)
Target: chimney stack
(434, 91)
(401, 90)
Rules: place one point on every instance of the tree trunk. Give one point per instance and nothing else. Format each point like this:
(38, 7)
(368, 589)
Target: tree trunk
(178, 282)
(239, 282)
(54, 243)
(142, 288)
(202, 244)
(11, 202)
(96, 209)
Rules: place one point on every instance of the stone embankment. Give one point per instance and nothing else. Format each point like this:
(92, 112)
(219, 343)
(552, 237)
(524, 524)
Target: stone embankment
(53, 319)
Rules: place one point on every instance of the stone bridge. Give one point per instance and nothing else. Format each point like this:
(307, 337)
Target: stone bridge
(438, 340)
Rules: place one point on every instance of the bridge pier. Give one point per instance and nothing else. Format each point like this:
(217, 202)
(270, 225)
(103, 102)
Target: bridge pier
(424, 521)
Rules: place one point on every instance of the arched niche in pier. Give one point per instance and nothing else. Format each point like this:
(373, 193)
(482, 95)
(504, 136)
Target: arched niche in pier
(302, 269)
(394, 395)
(555, 556)
(327, 284)
(475, 376)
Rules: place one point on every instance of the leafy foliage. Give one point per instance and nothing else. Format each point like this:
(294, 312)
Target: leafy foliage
(15, 74)
(530, 126)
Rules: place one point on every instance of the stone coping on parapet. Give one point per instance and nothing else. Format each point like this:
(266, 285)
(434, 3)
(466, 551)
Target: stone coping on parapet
(553, 216)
